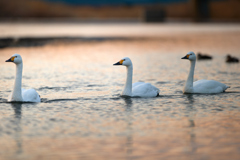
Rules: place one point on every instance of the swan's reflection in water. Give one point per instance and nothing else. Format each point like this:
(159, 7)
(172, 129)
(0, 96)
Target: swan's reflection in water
(129, 119)
(191, 120)
(17, 108)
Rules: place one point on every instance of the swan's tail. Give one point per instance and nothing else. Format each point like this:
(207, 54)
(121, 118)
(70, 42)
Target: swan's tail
(226, 88)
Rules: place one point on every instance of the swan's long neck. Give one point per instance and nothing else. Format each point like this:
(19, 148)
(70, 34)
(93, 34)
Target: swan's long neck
(17, 89)
(128, 85)
(189, 84)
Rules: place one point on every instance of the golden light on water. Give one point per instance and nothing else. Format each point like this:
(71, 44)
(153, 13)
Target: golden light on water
(82, 115)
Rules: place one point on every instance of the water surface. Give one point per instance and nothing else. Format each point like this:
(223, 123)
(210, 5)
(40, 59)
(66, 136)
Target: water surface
(83, 116)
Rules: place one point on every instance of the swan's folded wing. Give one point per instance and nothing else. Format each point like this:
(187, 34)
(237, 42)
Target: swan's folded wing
(137, 83)
(209, 86)
(30, 95)
(145, 90)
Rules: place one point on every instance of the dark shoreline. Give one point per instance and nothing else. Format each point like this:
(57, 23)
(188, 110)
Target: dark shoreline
(41, 41)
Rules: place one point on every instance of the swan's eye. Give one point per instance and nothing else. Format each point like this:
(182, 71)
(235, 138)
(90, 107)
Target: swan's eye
(124, 59)
(191, 54)
(15, 56)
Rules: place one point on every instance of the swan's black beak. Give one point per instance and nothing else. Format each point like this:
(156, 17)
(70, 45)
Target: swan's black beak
(9, 60)
(186, 57)
(118, 63)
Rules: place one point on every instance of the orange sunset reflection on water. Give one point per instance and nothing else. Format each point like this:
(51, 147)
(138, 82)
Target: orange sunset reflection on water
(82, 115)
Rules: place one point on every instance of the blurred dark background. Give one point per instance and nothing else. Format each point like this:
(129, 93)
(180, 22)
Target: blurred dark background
(139, 10)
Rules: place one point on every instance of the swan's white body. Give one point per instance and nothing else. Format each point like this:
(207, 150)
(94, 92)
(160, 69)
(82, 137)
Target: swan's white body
(19, 94)
(138, 89)
(201, 86)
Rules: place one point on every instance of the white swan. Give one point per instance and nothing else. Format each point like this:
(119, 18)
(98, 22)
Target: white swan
(138, 89)
(19, 94)
(201, 86)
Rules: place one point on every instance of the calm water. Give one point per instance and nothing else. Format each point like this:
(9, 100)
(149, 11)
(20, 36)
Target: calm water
(82, 115)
